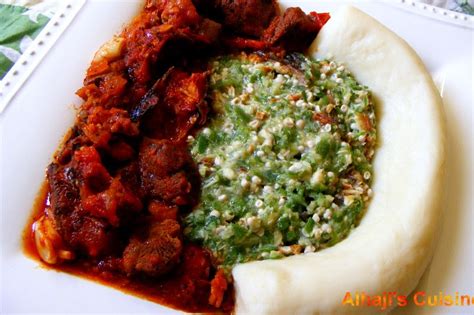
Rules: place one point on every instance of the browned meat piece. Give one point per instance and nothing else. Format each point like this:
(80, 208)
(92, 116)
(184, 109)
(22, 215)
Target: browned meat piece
(154, 35)
(90, 235)
(180, 19)
(294, 31)
(119, 150)
(92, 176)
(208, 31)
(162, 157)
(156, 252)
(243, 17)
(152, 98)
(64, 193)
(175, 103)
(77, 229)
(127, 66)
(109, 203)
(161, 211)
(101, 195)
(154, 4)
(180, 13)
(174, 12)
(130, 178)
(106, 129)
(75, 139)
(185, 95)
(86, 202)
(106, 91)
(185, 92)
(175, 188)
(161, 167)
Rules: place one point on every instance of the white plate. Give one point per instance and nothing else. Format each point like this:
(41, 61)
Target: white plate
(38, 116)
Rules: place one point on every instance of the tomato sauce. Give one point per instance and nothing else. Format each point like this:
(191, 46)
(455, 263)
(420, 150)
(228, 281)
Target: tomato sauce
(172, 291)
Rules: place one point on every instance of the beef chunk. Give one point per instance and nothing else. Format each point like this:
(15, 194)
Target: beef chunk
(106, 91)
(102, 195)
(180, 13)
(185, 92)
(175, 103)
(89, 235)
(183, 14)
(243, 17)
(78, 230)
(152, 41)
(162, 157)
(154, 252)
(294, 31)
(151, 99)
(166, 171)
(64, 193)
(112, 203)
(75, 139)
(108, 130)
(86, 203)
(92, 176)
(161, 211)
(130, 178)
(174, 188)
(209, 31)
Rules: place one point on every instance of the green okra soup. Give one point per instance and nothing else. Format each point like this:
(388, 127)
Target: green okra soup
(285, 159)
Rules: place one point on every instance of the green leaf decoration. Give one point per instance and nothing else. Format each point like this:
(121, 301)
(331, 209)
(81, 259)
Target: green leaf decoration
(18, 27)
(465, 7)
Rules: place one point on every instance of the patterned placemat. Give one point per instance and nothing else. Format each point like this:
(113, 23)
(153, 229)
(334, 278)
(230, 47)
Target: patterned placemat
(28, 30)
(461, 6)
(20, 23)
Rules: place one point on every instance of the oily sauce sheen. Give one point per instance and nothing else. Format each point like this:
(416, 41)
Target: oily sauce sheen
(111, 209)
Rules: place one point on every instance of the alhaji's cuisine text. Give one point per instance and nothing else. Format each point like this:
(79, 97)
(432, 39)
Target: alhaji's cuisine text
(388, 300)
